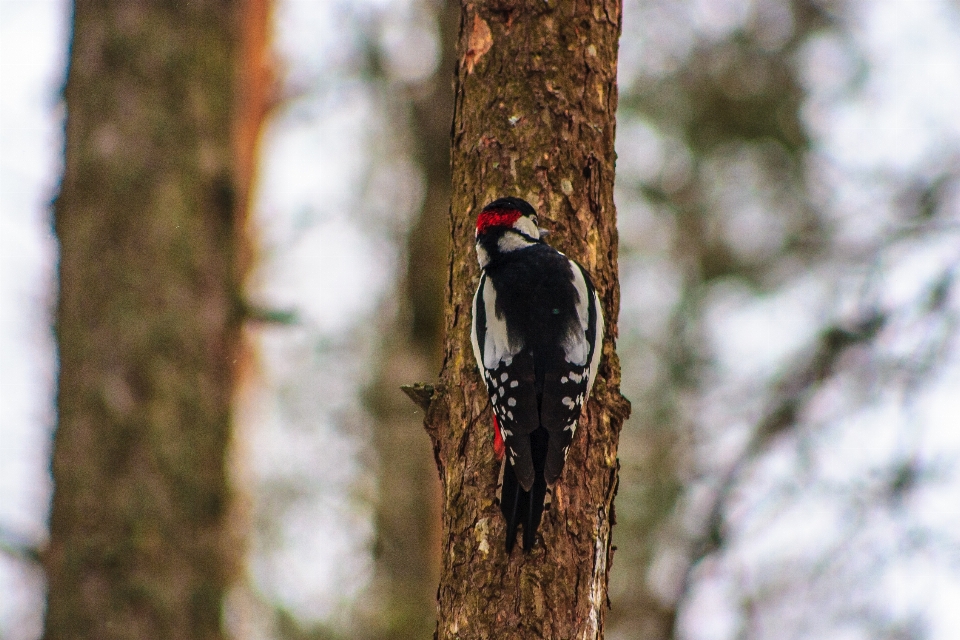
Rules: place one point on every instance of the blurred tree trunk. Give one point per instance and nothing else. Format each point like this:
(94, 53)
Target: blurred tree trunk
(408, 505)
(535, 103)
(164, 105)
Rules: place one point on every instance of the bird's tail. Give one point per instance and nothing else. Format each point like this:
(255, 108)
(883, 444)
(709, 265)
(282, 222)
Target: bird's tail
(520, 507)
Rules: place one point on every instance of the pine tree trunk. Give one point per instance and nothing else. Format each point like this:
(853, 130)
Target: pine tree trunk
(164, 102)
(535, 104)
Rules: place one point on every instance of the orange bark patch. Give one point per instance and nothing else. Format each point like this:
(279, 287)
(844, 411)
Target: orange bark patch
(479, 43)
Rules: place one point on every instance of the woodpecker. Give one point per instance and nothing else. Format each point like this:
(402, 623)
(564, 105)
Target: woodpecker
(537, 334)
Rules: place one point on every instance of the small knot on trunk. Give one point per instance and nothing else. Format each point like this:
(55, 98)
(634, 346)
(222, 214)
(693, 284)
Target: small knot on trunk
(420, 393)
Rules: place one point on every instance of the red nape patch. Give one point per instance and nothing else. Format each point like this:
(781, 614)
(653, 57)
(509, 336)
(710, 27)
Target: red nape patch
(498, 448)
(496, 218)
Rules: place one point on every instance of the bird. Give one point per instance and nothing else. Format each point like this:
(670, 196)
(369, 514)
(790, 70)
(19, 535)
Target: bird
(537, 335)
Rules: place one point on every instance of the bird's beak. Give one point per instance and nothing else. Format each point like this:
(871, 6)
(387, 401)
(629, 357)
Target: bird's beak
(543, 232)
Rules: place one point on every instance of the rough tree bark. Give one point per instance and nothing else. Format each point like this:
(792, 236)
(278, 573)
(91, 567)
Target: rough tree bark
(164, 104)
(535, 104)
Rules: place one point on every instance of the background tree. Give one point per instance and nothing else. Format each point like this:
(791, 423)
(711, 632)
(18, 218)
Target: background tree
(408, 500)
(164, 104)
(535, 103)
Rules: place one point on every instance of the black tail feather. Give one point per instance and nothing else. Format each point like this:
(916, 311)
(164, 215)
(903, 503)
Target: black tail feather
(538, 492)
(521, 507)
(511, 497)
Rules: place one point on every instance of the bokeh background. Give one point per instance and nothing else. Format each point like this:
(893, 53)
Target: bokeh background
(788, 190)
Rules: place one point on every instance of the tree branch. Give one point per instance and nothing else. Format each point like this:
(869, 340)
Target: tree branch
(20, 547)
(421, 393)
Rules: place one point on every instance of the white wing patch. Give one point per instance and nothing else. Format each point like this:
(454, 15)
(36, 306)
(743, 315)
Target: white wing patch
(474, 340)
(575, 347)
(598, 351)
(496, 346)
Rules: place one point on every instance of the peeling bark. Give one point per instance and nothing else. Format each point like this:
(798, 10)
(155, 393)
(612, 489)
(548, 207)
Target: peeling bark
(535, 112)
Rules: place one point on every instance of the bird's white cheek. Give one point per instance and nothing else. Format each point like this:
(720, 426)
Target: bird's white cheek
(511, 242)
(526, 226)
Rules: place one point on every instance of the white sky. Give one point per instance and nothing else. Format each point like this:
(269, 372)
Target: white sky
(32, 51)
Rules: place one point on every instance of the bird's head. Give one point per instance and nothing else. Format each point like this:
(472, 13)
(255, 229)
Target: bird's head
(509, 215)
(504, 226)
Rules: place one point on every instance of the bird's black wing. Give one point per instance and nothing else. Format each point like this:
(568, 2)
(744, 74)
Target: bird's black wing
(568, 382)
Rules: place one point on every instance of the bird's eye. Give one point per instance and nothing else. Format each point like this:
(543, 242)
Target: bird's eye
(534, 219)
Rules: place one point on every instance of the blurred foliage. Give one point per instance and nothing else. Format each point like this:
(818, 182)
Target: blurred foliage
(720, 191)
(389, 59)
(407, 515)
(723, 102)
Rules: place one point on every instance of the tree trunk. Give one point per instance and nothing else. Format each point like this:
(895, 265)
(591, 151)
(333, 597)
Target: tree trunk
(535, 104)
(164, 103)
